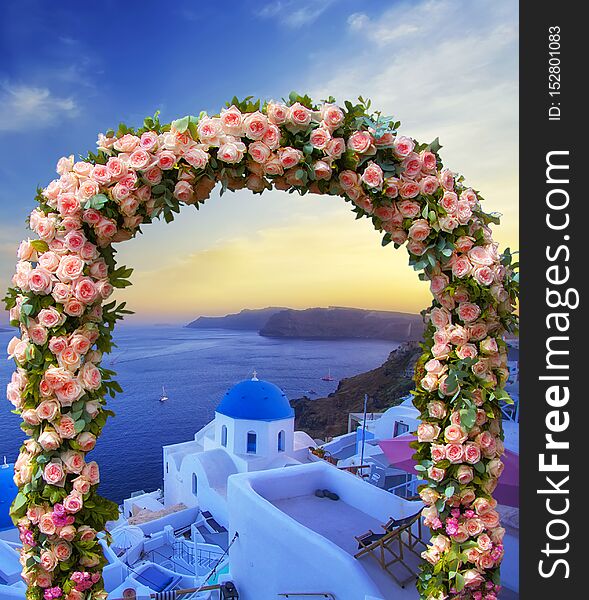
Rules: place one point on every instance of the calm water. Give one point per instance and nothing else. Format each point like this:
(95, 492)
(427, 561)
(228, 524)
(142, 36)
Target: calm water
(196, 366)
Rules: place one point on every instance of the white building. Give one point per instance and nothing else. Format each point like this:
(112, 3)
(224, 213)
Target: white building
(253, 430)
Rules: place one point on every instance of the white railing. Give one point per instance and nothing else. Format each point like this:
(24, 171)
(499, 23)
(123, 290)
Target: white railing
(408, 488)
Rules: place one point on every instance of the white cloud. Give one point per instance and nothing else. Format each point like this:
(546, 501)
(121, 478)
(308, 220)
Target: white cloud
(24, 106)
(295, 13)
(444, 68)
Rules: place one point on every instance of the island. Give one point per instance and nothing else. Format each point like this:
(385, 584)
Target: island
(247, 319)
(329, 323)
(386, 386)
(344, 323)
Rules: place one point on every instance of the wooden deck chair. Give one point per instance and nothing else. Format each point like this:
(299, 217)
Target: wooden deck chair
(411, 539)
(382, 546)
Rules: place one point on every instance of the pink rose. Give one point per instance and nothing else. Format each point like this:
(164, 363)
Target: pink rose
(436, 409)
(140, 159)
(468, 312)
(47, 560)
(461, 266)
(183, 191)
(231, 152)
(477, 331)
(259, 152)
(332, 116)
(348, 179)
(73, 461)
(62, 550)
(37, 334)
(480, 255)
(427, 432)
(439, 283)
(409, 189)
(322, 170)
(69, 392)
(74, 308)
(289, 157)
(47, 409)
(360, 142)
(447, 179)
(403, 146)
(53, 473)
(73, 502)
(428, 160)
(435, 366)
(126, 143)
(419, 230)
(40, 281)
(66, 427)
(49, 317)
(232, 121)
(416, 247)
(90, 376)
(408, 209)
(464, 243)
(438, 452)
(277, 112)
(449, 202)
(299, 115)
(148, 140)
(484, 276)
(467, 351)
(70, 268)
(454, 434)
(373, 176)
(436, 474)
(116, 167)
(464, 474)
(319, 138)
(472, 453)
(86, 441)
(196, 157)
(335, 147)
(454, 453)
(428, 185)
(255, 125)
(92, 473)
(49, 440)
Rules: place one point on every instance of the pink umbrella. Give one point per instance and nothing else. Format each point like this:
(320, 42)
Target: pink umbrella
(400, 454)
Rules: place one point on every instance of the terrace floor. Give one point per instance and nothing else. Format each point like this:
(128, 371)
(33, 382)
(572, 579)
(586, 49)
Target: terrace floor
(339, 522)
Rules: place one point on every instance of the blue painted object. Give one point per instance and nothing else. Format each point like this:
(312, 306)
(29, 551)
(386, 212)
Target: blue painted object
(256, 400)
(8, 491)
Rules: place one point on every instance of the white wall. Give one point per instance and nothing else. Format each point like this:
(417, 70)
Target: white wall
(270, 542)
(266, 432)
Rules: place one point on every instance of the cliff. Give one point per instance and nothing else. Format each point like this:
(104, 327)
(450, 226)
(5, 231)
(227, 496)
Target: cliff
(246, 319)
(385, 386)
(335, 322)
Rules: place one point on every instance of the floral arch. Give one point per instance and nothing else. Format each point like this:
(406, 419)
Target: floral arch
(64, 277)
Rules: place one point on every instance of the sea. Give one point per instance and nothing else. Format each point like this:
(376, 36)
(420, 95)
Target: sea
(196, 367)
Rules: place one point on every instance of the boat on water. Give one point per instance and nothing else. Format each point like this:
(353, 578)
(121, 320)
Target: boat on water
(327, 377)
(164, 396)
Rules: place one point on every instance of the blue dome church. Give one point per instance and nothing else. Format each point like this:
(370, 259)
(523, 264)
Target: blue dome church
(253, 430)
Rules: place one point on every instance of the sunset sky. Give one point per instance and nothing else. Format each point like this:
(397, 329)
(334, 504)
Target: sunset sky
(444, 68)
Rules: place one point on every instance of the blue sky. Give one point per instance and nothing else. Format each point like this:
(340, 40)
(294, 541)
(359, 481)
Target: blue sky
(443, 67)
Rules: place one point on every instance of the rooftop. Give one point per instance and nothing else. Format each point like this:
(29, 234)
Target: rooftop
(256, 400)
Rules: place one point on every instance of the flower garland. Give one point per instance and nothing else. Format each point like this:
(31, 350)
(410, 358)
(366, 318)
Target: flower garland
(64, 277)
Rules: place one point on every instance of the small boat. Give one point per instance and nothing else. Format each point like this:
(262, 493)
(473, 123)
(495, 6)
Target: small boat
(164, 396)
(312, 392)
(327, 377)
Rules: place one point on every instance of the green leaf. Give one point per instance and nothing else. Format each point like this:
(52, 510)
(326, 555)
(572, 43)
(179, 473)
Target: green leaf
(459, 582)
(181, 125)
(97, 201)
